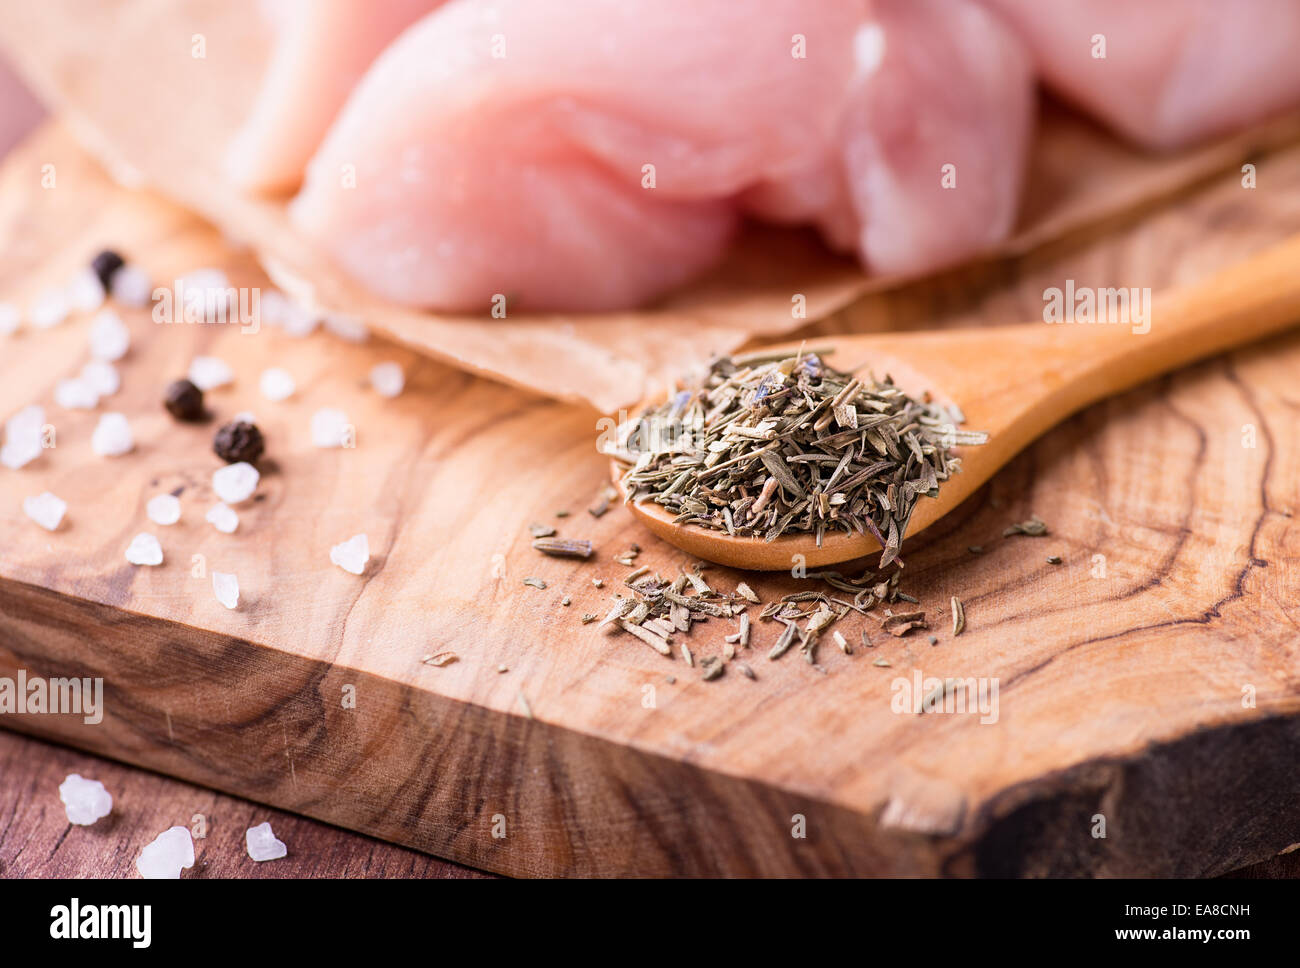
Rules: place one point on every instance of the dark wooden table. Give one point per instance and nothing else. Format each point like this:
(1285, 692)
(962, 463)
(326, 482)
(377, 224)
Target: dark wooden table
(36, 839)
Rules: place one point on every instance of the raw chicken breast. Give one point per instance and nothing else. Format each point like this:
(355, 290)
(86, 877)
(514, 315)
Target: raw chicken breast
(937, 83)
(589, 160)
(936, 136)
(322, 48)
(1175, 71)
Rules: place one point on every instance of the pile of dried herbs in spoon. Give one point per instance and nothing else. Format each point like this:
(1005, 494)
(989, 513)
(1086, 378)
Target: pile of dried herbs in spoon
(764, 447)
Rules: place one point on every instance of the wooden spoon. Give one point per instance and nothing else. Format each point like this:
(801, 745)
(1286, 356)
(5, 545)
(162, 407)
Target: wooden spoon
(1016, 382)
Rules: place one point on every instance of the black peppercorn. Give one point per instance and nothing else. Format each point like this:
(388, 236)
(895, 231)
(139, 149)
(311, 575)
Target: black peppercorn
(184, 400)
(238, 441)
(104, 265)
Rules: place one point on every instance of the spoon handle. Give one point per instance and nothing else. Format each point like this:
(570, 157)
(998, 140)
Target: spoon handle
(1243, 303)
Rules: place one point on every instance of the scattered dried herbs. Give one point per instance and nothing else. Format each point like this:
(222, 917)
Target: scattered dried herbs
(563, 547)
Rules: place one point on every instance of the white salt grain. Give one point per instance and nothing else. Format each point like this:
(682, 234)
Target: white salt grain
(277, 384)
(388, 379)
(352, 554)
(102, 377)
(49, 309)
(163, 509)
(109, 337)
(273, 308)
(45, 509)
(86, 292)
(84, 800)
(226, 588)
(235, 482)
(244, 416)
(144, 549)
(112, 436)
(75, 394)
(329, 428)
(10, 318)
(130, 285)
(262, 843)
(209, 372)
(206, 294)
(167, 855)
(24, 433)
(223, 518)
(299, 321)
(345, 327)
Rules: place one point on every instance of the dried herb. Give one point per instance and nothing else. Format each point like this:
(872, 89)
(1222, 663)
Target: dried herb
(607, 495)
(712, 667)
(904, 622)
(1035, 527)
(792, 446)
(563, 547)
(1053, 559)
(541, 530)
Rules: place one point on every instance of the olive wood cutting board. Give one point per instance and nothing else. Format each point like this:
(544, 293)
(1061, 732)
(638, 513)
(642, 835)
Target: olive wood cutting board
(1150, 683)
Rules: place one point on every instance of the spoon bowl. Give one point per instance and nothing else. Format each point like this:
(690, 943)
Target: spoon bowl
(1016, 382)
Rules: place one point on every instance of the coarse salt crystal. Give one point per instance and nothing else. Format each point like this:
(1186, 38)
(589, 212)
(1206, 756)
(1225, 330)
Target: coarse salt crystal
(49, 309)
(352, 554)
(86, 292)
(346, 327)
(167, 855)
(112, 436)
(102, 377)
(24, 437)
(388, 379)
(209, 372)
(262, 843)
(272, 307)
(85, 801)
(226, 588)
(276, 384)
(75, 394)
(45, 509)
(206, 293)
(163, 509)
(109, 337)
(144, 549)
(19, 453)
(131, 286)
(223, 518)
(10, 318)
(235, 482)
(330, 428)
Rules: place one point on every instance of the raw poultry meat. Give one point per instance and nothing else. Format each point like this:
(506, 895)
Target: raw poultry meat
(934, 141)
(322, 47)
(500, 149)
(1174, 71)
(574, 174)
(596, 158)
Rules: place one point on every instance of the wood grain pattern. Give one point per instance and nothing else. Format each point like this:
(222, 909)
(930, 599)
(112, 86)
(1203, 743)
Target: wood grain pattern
(1120, 688)
(36, 839)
